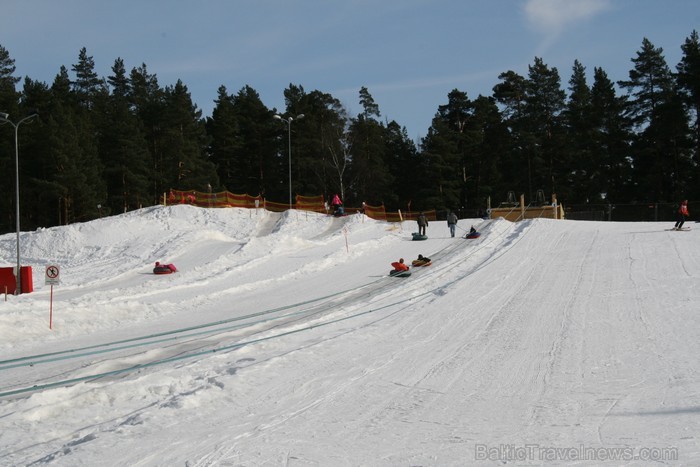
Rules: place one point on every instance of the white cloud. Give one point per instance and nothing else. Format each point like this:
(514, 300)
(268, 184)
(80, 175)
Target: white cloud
(551, 17)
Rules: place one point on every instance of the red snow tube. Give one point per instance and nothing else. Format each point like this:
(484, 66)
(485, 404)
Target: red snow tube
(473, 235)
(162, 270)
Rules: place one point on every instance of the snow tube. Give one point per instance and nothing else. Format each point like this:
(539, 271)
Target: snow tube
(162, 270)
(421, 262)
(417, 236)
(396, 273)
(473, 235)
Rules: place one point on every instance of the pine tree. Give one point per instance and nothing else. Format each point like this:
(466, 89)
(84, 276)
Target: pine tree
(612, 138)
(404, 162)
(515, 165)
(87, 84)
(8, 104)
(370, 109)
(226, 141)
(490, 138)
(446, 146)
(370, 179)
(123, 149)
(660, 149)
(689, 85)
(323, 146)
(544, 103)
(186, 166)
(256, 167)
(76, 169)
(38, 201)
(8, 93)
(294, 133)
(148, 101)
(584, 178)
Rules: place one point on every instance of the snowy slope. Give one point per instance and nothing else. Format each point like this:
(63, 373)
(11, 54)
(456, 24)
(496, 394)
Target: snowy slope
(281, 341)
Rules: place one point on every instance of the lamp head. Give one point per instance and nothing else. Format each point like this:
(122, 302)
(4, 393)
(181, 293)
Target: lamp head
(4, 116)
(300, 116)
(278, 117)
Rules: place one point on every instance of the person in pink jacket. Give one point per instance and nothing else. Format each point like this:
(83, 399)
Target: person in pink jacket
(336, 201)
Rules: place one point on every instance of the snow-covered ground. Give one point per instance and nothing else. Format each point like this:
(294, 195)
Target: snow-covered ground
(282, 341)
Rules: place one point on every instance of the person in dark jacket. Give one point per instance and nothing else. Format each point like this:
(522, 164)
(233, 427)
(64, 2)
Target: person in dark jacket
(452, 222)
(421, 261)
(422, 223)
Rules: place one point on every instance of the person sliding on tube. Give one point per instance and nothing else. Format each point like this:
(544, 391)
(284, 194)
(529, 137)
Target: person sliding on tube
(160, 268)
(421, 261)
(337, 206)
(399, 266)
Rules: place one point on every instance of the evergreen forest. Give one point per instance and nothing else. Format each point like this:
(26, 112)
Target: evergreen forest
(92, 146)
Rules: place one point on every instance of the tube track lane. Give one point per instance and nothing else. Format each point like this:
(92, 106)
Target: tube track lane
(149, 350)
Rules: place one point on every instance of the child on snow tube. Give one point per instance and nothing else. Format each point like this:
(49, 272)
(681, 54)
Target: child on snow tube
(399, 266)
(421, 261)
(164, 268)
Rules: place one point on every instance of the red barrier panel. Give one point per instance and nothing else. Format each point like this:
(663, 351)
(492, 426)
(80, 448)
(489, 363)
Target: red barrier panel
(27, 281)
(7, 279)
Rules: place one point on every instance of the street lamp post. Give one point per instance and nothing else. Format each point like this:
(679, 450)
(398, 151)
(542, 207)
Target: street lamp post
(4, 118)
(289, 121)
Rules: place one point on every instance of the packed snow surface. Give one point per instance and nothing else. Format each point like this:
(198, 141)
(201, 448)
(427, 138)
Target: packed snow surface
(282, 340)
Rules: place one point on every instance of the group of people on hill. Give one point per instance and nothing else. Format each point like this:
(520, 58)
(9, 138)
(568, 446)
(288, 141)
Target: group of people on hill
(451, 223)
(422, 220)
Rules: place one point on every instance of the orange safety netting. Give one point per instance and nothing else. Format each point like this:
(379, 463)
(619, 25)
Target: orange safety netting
(222, 199)
(413, 215)
(225, 199)
(311, 203)
(376, 212)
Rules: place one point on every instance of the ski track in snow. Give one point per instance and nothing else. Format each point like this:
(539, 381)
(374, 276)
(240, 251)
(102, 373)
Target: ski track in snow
(556, 333)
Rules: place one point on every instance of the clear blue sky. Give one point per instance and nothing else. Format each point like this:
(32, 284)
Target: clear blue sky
(409, 53)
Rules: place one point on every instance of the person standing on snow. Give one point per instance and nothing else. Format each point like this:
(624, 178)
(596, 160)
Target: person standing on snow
(452, 222)
(422, 223)
(682, 215)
